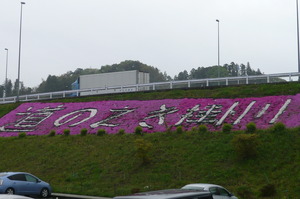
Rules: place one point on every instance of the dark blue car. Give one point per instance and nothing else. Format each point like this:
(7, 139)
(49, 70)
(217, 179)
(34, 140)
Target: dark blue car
(23, 184)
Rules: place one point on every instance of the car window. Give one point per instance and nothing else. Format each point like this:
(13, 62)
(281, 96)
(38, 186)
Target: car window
(223, 192)
(18, 177)
(214, 191)
(194, 188)
(198, 197)
(30, 178)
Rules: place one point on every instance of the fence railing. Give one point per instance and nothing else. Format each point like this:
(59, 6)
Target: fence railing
(194, 83)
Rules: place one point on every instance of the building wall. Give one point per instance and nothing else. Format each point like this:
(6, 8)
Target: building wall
(105, 80)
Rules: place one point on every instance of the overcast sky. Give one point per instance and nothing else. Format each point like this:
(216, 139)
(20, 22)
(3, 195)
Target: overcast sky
(173, 35)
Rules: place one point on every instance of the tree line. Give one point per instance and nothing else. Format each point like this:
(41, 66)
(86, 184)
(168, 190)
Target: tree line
(227, 70)
(63, 82)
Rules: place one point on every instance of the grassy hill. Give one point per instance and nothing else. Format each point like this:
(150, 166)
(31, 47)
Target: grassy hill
(112, 165)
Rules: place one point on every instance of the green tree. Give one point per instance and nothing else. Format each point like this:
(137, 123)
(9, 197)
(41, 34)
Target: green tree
(1, 90)
(182, 76)
(9, 88)
(243, 70)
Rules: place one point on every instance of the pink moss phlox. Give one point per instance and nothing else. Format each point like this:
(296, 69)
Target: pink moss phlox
(152, 115)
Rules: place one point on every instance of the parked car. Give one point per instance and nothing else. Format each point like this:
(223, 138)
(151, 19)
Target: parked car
(22, 183)
(169, 194)
(5, 196)
(217, 191)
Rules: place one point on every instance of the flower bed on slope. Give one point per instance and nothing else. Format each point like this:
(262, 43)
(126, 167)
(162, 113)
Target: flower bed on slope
(151, 115)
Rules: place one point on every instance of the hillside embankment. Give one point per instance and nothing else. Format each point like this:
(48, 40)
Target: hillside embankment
(117, 164)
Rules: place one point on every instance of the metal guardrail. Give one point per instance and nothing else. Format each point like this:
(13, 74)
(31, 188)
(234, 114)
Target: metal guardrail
(72, 196)
(194, 83)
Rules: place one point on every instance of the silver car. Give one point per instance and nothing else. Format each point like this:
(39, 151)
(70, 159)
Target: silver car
(169, 194)
(217, 191)
(5, 196)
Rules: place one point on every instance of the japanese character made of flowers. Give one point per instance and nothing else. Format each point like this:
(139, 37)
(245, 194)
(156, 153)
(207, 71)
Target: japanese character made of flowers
(152, 115)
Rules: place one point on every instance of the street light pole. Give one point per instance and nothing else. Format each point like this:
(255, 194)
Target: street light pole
(218, 47)
(298, 37)
(19, 62)
(5, 85)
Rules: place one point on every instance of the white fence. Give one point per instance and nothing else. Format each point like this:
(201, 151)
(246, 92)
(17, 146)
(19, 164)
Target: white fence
(194, 83)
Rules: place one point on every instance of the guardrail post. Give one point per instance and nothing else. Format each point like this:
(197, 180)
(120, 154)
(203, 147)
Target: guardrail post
(189, 84)
(290, 77)
(207, 84)
(226, 82)
(247, 80)
(154, 87)
(268, 79)
(171, 85)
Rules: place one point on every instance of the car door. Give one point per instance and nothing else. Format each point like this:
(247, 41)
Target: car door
(18, 183)
(32, 185)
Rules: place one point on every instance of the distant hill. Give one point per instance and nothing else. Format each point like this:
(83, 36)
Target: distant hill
(63, 82)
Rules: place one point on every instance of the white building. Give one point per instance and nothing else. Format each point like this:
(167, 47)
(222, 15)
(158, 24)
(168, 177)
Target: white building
(124, 81)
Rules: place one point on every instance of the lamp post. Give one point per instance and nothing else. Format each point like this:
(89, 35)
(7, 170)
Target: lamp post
(217, 20)
(298, 37)
(5, 85)
(19, 62)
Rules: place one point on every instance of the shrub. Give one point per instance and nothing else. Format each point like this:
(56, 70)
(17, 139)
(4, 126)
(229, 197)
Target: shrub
(142, 150)
(121, 132)
(22, 135)
(83, 132)
(169, 130)
(251, 127)
(135, 190)
(66, 132)
(245, 145)
(267, 190)
(138, 130)
(245, 192)
(278, 127)
(226, 128)
(179, 130)
(194, 129)
(52, 133)
(202, 129)
(101, 132)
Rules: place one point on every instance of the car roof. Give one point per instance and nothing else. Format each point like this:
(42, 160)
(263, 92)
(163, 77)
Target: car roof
(11, 173)
(204, 185)
(165, 194)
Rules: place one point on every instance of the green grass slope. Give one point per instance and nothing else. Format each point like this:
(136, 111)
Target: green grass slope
(112, 165)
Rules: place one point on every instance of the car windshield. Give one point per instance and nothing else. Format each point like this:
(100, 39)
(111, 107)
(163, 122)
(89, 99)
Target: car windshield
(193, 188)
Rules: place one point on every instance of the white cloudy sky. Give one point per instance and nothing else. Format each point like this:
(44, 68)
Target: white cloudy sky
(172, 35)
